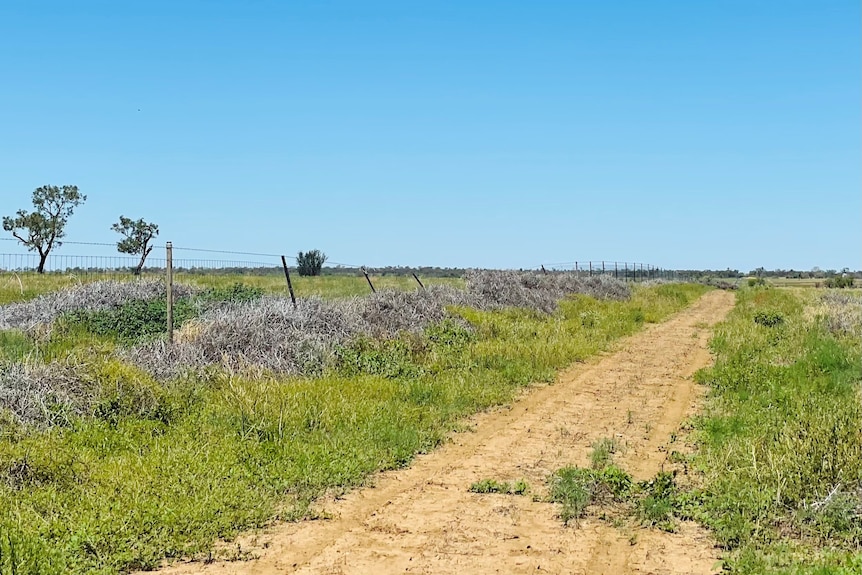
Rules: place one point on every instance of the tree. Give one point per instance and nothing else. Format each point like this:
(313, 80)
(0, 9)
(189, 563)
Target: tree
(138, 235)
(42, 229)
(310, 263)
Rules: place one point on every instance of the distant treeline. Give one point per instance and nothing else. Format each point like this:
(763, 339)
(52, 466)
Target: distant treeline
(428, 272)
(814, 273)
(438, 272)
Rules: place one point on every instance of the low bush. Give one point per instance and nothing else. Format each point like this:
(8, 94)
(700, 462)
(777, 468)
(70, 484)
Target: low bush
(840, 282)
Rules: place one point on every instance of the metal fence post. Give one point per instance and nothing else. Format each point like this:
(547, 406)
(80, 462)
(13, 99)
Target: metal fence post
(368, 279)
(289, 284)
(169, 264)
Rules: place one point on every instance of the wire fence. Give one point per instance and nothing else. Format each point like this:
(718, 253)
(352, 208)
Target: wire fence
(193, 283)
(195, 263)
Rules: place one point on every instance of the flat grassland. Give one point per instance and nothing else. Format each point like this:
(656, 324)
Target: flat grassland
(27, 285)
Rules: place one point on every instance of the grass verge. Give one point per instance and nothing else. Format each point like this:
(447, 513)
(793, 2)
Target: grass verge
(780, 448)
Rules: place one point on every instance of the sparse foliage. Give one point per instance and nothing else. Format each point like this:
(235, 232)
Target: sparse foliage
(310, 263)
(137, 235)
(42, 229)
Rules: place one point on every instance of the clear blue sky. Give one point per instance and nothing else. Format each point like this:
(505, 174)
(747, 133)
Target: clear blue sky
(688, 134)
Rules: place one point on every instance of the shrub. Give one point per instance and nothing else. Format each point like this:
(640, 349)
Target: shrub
(840, 282)
(138, 319)
(236, 293)
(768, 318)
(310, 263)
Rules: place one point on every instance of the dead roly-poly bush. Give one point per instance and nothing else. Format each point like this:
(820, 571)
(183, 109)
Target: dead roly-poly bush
(43, 310)
(269, 334)
(43, 395)
(539, 292)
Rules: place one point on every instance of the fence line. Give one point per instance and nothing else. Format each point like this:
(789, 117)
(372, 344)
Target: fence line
(116, 266)
(256, 263)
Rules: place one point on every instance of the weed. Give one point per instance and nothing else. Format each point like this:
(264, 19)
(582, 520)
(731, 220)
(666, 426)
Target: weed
(603, 451)
(519, 487)
(768, 318)
(576, 488)
(657, 505)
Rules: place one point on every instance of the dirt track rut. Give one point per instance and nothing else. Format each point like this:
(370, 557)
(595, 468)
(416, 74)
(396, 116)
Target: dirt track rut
(424, 520)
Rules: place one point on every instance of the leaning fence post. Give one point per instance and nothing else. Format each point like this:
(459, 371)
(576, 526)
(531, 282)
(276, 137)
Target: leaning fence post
(415, 277)
(169, 280)
(544, 271)
(368, 279)
(289, 285)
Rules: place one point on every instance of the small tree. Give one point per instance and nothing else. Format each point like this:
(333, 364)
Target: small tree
(138, 235)
(310, 263)
(42, 229)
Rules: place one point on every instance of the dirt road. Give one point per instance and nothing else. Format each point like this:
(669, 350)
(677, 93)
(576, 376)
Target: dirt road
(424, 520)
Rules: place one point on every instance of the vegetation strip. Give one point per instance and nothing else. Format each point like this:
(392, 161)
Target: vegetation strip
(164, 469)
(779, 444)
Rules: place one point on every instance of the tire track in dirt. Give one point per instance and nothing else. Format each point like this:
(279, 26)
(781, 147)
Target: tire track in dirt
(423, 520)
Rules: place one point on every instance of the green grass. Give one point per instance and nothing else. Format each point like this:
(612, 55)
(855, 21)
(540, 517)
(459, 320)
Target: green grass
(27, 285)
(519, 487)
(165, 470)
(603, 451)
(780, 433)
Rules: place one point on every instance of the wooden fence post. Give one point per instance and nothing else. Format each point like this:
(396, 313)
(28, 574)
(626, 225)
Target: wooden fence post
(415, 277)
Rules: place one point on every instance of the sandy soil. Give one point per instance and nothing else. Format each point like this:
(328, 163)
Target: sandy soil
(424, 520)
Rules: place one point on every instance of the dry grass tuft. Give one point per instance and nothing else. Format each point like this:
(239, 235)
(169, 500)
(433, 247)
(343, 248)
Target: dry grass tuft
(840, 311)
